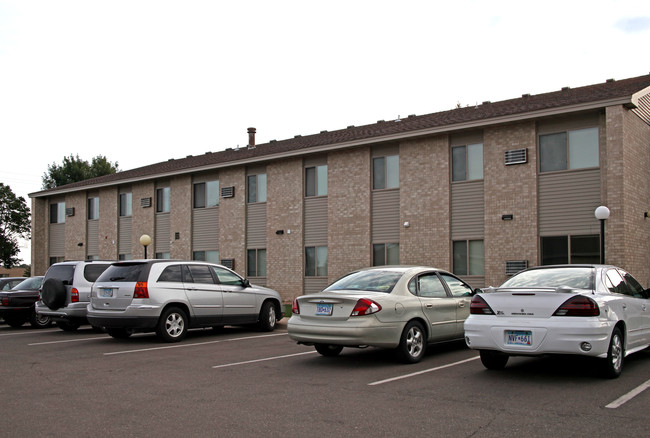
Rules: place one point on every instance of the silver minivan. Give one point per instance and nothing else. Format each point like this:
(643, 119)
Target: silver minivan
(172, 296)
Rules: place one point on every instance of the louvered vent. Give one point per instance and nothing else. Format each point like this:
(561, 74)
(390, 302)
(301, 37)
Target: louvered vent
(227, 192)
(514, 266)
(69, 211)
(516, 156)
(228, 263)
(145, 202)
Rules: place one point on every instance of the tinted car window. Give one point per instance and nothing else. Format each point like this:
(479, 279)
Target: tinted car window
(65, 273)
(92, 272)
(126, 273)
(635, 288)
(227, 277)
(172, 274)
(615, 283)
(201, 274)
(457, 287)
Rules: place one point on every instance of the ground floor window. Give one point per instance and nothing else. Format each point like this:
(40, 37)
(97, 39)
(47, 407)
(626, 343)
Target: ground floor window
(469, 257)
(54, 260)
(206, 256)
(570, 249)
(385, 254)
(125, 257)
(256, 266)
(316, 261)
(163, 255)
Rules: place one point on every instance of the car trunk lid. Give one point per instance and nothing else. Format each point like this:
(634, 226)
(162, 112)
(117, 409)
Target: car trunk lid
(527, 302)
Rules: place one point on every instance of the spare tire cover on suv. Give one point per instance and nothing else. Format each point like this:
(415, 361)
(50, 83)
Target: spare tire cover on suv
(53, 293)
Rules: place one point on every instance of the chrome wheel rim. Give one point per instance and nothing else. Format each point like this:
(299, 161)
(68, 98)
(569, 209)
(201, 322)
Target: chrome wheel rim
(414, 342)
(42, 320)
(174, 325)
(617, 352)
(272, 316)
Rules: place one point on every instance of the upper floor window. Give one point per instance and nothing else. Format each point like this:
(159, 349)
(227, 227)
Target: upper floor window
(57, 213)
(577, 149)
(126, 202)
(316, 181)
(162, 200)
(467, 162)
(93, 208)
(206, 194)
(385, 172)
(257, 188)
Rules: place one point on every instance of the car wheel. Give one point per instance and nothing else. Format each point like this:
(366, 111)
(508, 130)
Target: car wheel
(15, 321)
(67, 326)
(172, 326)
(53, 293)
(119, 333)
(494, 360)
(413, 343)
(613, 365)
(267, 317)
(328, 350)
(39, 321)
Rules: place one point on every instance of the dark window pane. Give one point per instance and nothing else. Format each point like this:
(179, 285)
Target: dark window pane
(378, 255)
(252, 188)
(460, 257)
(251, 269)
(310, 181)
(378, 174)
(201, 274)
(199, 195)
(172, 273)
(585, 249)
(459, 163)
(310, 261)
(555, 250)
(54, 213)
(553, 152)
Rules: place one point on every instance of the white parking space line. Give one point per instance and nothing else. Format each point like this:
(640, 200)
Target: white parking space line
(166, 347)
(69, 340)
(406, 376)
(30, 332)
(629, 396)
(262, 360)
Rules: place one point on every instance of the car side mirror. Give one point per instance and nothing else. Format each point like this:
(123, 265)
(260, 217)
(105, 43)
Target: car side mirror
(478, 290)
(246, 283)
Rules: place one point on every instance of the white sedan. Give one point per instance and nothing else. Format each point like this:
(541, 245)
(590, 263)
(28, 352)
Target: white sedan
(588, 310)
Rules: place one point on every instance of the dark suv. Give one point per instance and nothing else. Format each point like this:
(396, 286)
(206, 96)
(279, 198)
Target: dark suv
(65, 293)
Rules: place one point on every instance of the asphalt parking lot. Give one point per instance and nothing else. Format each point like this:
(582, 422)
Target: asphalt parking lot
(243, 383)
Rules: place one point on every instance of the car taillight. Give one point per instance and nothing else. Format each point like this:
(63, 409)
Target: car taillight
(578, 306)
(5, 301)
(295, 308)
(365, 307)
(478, 306)
(74, 295)
(141, 290)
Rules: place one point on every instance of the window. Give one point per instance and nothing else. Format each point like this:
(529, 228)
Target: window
(257, 188)
(428, 285)
(206, 194)
(568, 150)
(126, 202)
(124, 257)
(198, 274)
(385, 254)
(162, 200)
(206, 256)
(457, 287)
(467, 162)
(57, 213)
(316, 181)
(227, 277)
(469, 257)
(256, 263)
(316, 261)
(172, 274)
(93, 208)
(570, 249)
(385, 172)
(163, 255)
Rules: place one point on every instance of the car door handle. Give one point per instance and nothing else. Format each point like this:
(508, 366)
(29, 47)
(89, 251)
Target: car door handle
(429, 306)
(462, 304)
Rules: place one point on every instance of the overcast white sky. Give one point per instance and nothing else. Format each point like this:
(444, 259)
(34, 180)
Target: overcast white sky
(144, 81)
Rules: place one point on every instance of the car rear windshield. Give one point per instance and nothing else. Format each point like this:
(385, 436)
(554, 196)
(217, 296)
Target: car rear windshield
(65, 273)
(373, 281)
(125, 273)
(576, 278)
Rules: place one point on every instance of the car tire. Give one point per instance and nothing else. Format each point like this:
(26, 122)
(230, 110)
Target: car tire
(413, 343)
(613, 364)
(494, 360)
(172, 325)
(53, 293)
(67, 326)
(119, 333)
(268, 318)
(328, 350)
(39, 321)
(15, 321)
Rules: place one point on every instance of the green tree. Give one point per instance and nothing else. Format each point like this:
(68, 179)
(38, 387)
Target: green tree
(75, 169)
(14, 223)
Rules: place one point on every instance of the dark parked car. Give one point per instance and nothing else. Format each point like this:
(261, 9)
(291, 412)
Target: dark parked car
(17, 304)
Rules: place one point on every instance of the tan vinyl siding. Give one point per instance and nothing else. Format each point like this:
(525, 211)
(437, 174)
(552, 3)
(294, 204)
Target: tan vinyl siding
(93, 238)
(124, 235)
(385, 216)
(467, 210)
(316, 221)
(256, 225)
(205, 229)
(567, 202)
(163, 233)
(315, 284)
(57, 240)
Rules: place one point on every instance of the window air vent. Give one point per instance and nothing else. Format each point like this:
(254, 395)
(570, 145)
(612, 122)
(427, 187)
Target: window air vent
(69, 211)
(228, 192)
(228, 263)
(516, 156)
(514, 266)
(145, 202)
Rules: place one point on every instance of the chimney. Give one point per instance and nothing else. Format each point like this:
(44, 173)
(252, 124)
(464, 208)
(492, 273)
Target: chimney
(251, 138)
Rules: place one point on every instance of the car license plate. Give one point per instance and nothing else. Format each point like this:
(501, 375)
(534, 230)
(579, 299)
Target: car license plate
(324, 309)
(106, 293)
(519, 337)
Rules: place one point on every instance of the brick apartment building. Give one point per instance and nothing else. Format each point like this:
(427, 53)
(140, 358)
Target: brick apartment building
(481, 191)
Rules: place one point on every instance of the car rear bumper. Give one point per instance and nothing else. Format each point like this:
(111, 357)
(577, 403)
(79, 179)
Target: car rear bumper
(565, 335)
(133, 317)
(363, 332)
(71, 311)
